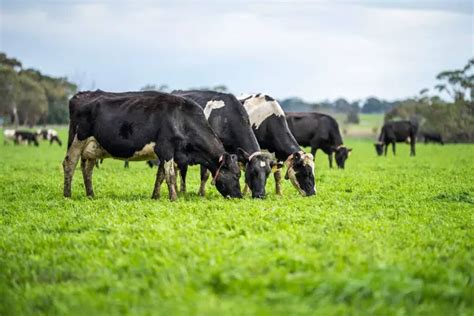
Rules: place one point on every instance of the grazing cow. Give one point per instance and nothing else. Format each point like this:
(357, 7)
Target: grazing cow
(8, 135)
(49, 134)
(432, 137)
(272, 132)
(22, 137)
(230, 122)
(396, 131)
(320, 131)
(145, 126)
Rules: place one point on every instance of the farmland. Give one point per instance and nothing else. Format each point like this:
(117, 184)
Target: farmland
(385, 236)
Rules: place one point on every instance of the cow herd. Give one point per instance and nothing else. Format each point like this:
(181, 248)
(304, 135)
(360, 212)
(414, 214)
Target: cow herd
(223, 134)
(26, 137)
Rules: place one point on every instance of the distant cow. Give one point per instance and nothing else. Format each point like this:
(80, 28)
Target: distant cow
(397, 131)
(8, 136)
(145, 126)
(49, 134)
(271, 129)
(230, 121)
(432, 137)
(22, 137)
(319, 131)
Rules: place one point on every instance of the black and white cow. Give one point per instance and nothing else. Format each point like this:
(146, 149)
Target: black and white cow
(49, 134)
(230, 121)
(320, 131)
(271, 129)
(8, 136)
(396, 132)
(22, 137)
(145, 126)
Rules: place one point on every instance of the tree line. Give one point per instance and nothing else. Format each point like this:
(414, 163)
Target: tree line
(29, 97)
(453, 120)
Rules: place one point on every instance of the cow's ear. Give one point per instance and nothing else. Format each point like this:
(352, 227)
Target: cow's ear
(276, 165)
(242, 155)
(349, 149)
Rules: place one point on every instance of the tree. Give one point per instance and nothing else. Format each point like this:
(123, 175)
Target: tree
(374, 105)
(8, 90)
(19, 88)
(57, 91)
(31, 100)
(456, 83)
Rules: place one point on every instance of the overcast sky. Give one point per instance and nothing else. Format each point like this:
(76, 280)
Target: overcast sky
(313, 49)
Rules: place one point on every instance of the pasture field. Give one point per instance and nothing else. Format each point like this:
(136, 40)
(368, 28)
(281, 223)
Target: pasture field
(386, 236)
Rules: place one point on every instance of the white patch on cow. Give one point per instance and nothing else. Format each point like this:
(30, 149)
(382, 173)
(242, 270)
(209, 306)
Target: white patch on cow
(212, 105)
(308, 160)
(169, 167)
(51, 133)
(9, 134)
(146, 153)
(262, 164)
(259, 109)
(93, 150)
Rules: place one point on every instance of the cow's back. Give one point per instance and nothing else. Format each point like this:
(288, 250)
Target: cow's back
(124, 123)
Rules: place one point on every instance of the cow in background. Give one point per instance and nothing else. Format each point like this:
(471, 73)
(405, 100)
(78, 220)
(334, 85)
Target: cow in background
(319, 131)
(432, 137)
(23, 137)
(49, 134)
(396, 132)
(8, 136)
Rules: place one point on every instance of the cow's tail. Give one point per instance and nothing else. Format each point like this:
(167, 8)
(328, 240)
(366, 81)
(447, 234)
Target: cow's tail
(72, 123)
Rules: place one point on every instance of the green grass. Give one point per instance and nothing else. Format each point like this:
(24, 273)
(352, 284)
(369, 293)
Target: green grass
(386, 236)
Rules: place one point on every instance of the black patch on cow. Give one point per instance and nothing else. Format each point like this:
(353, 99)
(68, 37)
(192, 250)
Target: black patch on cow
(269, 98)
(126, 130)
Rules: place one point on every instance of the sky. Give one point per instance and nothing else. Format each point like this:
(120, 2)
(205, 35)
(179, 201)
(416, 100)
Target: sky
(316, 50)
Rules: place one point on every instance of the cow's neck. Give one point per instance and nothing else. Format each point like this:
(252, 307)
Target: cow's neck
(280, 138)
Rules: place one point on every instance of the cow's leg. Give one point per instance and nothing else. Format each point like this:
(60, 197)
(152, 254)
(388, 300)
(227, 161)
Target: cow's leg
(87, 166)
(204, 177)
(386, 148)
(183, 171)
(160, 176)
(313, 152)
(69, 164)
(170, 177)
(277, 177)
(393, 148)
(412, 147)
(126, 164)
(330, 159)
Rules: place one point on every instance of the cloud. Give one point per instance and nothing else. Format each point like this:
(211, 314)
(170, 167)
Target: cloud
(316, 50)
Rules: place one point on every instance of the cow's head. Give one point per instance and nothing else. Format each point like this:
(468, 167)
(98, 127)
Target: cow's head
(257, 169)
(341, 153)
(301, 172)
(227, 177)
(379, 148)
